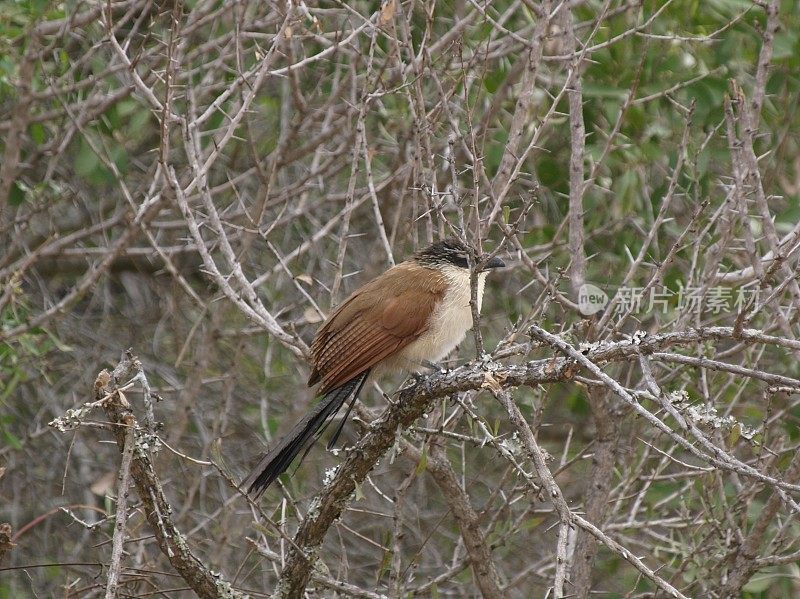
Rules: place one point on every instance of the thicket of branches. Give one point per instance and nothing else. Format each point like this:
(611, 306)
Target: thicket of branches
(201, 182)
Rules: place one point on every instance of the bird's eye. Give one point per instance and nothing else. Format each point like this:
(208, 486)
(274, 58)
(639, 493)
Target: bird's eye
(460, 259)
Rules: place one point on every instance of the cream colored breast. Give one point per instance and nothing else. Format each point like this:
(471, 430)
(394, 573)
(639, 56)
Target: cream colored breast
(448, 324)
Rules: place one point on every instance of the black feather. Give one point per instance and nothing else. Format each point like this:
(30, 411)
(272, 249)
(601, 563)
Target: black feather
(280, 457)
(335, 436)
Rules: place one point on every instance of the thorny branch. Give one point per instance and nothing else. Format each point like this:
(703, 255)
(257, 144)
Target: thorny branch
(412, 402)
(205, 182)
(137, 447)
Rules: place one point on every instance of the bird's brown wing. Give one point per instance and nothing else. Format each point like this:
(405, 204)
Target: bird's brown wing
(376, 321)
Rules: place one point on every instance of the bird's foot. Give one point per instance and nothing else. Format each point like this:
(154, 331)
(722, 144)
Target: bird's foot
(435, 367)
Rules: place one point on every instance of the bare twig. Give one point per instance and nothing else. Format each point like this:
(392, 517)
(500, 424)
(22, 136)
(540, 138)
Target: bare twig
(121, 517)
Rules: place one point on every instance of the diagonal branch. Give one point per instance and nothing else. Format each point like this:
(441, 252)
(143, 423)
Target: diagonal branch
(157, 510)
(411, 402)
(478, 549)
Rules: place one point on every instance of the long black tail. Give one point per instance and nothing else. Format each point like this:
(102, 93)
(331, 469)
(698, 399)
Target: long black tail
(278, 459)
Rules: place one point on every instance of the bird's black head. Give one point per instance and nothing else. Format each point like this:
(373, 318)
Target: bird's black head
(451, 251)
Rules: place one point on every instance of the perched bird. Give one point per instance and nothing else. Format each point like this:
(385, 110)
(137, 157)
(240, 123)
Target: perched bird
(412, 315)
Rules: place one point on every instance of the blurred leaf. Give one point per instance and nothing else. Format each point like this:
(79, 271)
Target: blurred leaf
(387, 12)
(10, 384)
(16, 195)
(596, 90)
(733, 436)
(423, 462)
(86, 161)
(104, 485)
(785, 45)
(38, 133)
(494, 78)
(758, 583)
(11, 439)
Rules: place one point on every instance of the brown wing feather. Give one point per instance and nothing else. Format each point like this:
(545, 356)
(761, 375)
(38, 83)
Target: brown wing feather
(376, 321)
(374, 353)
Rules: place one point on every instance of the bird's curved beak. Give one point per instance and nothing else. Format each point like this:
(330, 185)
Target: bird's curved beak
(495, 263)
